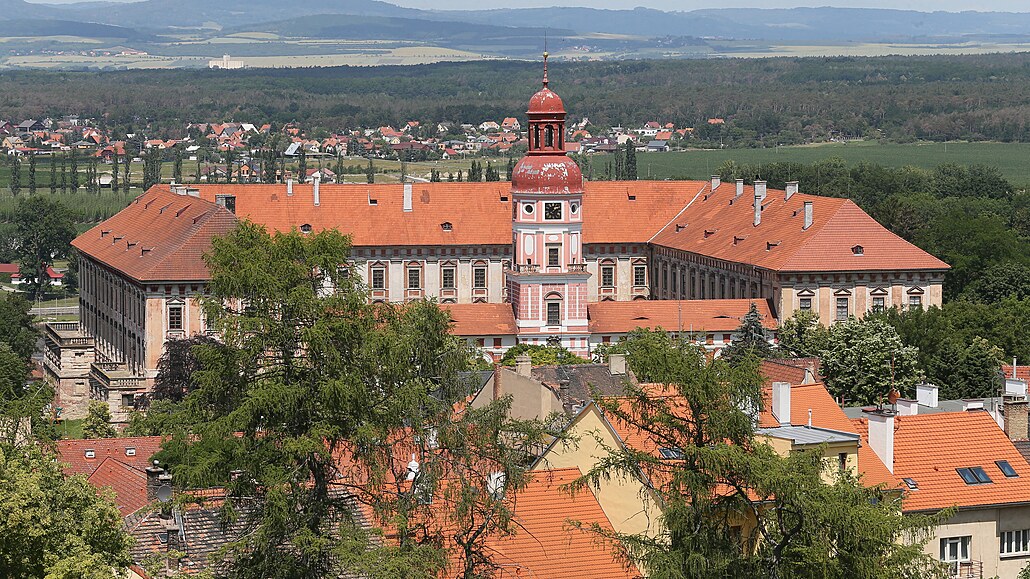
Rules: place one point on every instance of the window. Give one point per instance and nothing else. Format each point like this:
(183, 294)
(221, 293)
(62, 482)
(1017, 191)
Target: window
(911, 483)
(553, 255)
(639, 275)
(805, 304)
(915, 301)
(974, 475)
(574, 208)
(1015, 542)
(842, 308)
(553, 313)
(479, 277)
(527, 208)
(378, 278)
(414, 278)
(175, 317)
(1006, 468)
(130, 451)
(548, 136)
(670, 453)
(607, 276)
(552, 210)
(447, 278)
(878, 303)
(128, 400)
(842, 461)
(955, 549)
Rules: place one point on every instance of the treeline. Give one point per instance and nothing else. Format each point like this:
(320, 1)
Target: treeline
(764, 102)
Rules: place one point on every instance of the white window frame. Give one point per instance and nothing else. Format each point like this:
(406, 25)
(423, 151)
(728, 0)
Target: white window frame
(962, 545)
(1015, 543)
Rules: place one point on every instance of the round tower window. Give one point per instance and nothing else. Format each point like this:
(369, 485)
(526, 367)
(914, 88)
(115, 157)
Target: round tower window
(574, 207)
(528, 208)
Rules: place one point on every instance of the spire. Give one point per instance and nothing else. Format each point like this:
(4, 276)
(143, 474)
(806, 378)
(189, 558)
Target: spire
(545, 68)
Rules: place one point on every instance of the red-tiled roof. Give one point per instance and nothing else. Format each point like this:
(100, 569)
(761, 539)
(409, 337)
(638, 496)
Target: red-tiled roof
(481, 319)
(160, 236)
(793, 370)
(73, 452)
(686, 315)
(1022, 372)
(715, 227)
(928, 448)
(128, 483)
(632, 211)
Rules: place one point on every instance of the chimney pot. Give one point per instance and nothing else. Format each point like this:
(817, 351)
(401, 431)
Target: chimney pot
(781, 402)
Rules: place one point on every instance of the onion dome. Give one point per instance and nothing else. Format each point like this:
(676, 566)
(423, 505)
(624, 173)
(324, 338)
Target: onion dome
(547, 174)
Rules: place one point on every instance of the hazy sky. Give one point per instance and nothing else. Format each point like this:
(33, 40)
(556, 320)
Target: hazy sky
(924, 5)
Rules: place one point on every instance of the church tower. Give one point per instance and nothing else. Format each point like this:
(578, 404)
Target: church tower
(547, 283)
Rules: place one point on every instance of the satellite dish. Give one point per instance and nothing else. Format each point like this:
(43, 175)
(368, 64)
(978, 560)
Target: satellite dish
(164, 493)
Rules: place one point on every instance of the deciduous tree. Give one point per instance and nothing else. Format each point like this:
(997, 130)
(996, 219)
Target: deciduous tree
(44, 232)
(864, 359)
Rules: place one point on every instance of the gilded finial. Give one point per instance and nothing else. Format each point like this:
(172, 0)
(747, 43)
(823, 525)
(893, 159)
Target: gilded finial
(545, 68)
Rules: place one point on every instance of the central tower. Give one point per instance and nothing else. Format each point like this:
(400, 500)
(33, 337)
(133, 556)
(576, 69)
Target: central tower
(547, 284)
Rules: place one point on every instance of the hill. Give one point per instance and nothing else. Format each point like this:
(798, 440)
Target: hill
(42, 27)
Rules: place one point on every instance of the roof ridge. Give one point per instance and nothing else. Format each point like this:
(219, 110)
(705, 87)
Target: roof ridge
(680, 212)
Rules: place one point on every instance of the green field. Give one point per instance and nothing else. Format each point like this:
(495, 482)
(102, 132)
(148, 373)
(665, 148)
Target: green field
(1012, 159)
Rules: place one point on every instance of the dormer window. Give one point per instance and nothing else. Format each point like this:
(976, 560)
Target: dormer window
(90, 453)
(306, 228)
(446, 226)
(131, 451)
(858, 250)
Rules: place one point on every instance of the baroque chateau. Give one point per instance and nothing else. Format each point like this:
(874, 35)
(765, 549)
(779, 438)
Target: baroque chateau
(545, 259)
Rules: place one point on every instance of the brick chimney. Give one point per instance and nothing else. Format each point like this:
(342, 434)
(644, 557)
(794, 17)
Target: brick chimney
(781, 402)
(523, 365)
(153, 481)
(497, 382)
(1017, 424)
(881, 435)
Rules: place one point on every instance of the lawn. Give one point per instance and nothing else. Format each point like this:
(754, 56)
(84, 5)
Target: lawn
(1012, 159)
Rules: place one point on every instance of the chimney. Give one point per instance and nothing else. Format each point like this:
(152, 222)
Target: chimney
(153, 481)
(716, 181)
(740, 188)
(314, 184)
(289, 187)
(1015, 387)
(758, 208)
(907, 407)
(523, 365)
(781, 402)
(808, 216)
(972, 404)
(407, 196)
(174, 536)
(926, 394)
(1017, 424)
(790, 190)
(497, 381)
(617, 364)
(881, 435)
(760, 189)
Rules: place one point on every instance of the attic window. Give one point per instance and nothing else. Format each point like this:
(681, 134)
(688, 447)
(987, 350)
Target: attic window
(737, 239)
(105, 232)
(632, 197)
(710, 232)
(670, 453)
(973, 475)
(858, 250)
(1006, 468)
(504, 198)
(90, 453)
(372, 201)
(771, 244)
(306, 228)
(911, 484)
(446, 226)
(131, 451)
(680, 227)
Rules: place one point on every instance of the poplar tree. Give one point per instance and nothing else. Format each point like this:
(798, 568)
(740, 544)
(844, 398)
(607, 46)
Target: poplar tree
(74, 169)
(177, 166)
(631, 161)
(126, 182)
(32, 174)
(114, 172)
(370, 172)
(53, 175)
(510, 169)
(15, 176)
(64, 173)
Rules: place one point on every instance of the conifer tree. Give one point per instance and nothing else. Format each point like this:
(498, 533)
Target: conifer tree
(631, 161)
(74, 170)
(177, 166)
(126, 182)
(510, 169)
(53, 175)
(64, 173)
(750, 339)
(32, 174)
(15, 176)
(114, 172)
(370, 172)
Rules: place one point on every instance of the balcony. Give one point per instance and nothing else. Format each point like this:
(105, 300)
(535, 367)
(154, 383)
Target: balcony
(965, 569)
(534, 268)
(577, 268)
(66, 334)
(115, 376)
(526, 268)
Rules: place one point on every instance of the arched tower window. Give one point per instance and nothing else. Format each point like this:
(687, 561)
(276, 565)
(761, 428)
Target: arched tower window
(536, 137)
(549, 137)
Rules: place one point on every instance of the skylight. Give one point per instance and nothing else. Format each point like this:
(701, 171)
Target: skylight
(911, 483)
(974, 475)
(1006, 468)
(671, 453)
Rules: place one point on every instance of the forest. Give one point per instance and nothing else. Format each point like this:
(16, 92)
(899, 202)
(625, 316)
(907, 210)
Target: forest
(765, 102)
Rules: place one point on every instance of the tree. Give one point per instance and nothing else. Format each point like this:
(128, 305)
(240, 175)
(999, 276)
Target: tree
(177, 166)
(44, 229)
(370, 172)
(541, 355)
(64, 173)
(802, 336)
(631, 160)
(302, 171)
(53, 526)
(97, 423)
(74, 170)
(999, 281)
(731, 506)
(332, 397)
(750, 339)
(114, 172)
(53, 175)
(864, 360)
(17, 328)
(126, 175)
(510, 169)
(32, 174)
(177, 365)
(15, 176)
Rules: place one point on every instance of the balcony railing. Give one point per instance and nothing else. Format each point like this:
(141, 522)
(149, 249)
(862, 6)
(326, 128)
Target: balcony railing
(966, 569)
(527, 268)
(115, 376)
(578, 267)
(67, 334)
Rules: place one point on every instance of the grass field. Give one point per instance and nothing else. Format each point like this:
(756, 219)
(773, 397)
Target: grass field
(1012, 159)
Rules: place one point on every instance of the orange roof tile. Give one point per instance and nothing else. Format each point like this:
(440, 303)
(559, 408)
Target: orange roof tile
(719, 224)
(825, 411)
(774, 371)
(160, 236)
(928, 448)
(481, 319)
(73, 452)
(1022, 372)
(688, 315)
(128, 483)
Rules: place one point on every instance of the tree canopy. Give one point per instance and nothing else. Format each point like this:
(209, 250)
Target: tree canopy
(863, 360)
(44, 231)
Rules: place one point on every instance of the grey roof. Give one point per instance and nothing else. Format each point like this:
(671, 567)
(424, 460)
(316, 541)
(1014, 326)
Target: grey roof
(808, 434)
(576, 384)
(989, 404)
